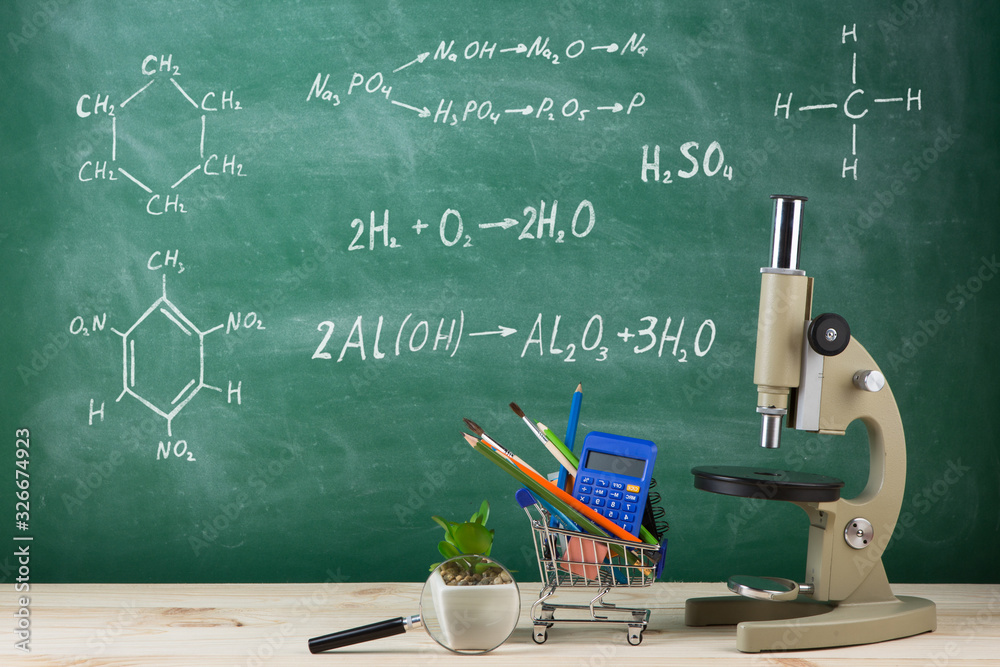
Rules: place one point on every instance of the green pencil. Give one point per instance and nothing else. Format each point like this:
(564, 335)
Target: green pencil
(566, 451)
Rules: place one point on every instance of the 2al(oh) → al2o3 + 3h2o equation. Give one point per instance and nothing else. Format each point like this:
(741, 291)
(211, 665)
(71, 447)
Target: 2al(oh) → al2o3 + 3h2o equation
(649, 335)
(163, 197)
(163, 356)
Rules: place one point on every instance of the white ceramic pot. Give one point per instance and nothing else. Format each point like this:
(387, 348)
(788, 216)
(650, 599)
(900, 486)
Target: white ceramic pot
(474, 618)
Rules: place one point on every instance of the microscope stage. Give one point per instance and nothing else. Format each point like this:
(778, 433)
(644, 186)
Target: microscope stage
(765, 483)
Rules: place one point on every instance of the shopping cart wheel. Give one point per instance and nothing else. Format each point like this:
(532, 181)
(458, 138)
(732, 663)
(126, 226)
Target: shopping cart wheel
(634, 636)
(540, 634)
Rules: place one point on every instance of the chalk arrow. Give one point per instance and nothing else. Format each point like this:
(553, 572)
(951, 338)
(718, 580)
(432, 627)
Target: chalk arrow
(520, 48)
(506, 223)
(610, 48)
(423, 113)
(615, 109)
(503, 331)
(419, 59)
(524, 112)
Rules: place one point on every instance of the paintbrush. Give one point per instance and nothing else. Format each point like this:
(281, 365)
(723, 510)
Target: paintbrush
(559, 456)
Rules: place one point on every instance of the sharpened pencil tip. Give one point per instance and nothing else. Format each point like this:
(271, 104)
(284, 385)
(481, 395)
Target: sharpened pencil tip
(579, 387)
(518, 411)
(472, 440)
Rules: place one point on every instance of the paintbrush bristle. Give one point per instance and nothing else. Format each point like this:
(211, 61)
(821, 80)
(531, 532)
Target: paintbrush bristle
(518, 411)
(474, 426)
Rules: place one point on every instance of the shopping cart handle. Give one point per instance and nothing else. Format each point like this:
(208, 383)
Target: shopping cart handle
(524, 498)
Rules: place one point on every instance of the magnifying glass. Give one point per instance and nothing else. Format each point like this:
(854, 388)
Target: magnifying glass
(469, 604)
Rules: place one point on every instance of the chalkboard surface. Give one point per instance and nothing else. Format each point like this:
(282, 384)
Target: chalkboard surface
(258, 262)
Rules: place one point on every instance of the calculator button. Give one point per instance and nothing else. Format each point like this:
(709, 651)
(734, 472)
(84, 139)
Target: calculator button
(628, 527)
(617, 495)
(634, 488)
(600, 492)
(584, 499)
(586, 480)
(602, 482)
(614, 504)
(629, 507)
(612, 514)
(628, 517)
(584, 489)
(618, 485)
(631, 498)
(598, 502)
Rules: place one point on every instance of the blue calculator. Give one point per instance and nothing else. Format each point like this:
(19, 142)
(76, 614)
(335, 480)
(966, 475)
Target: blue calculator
(614, 477)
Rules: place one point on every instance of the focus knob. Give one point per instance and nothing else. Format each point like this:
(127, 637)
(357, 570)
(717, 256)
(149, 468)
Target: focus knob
(829, 334)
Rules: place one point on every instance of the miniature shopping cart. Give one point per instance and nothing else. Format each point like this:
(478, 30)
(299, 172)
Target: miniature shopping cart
(570, 559)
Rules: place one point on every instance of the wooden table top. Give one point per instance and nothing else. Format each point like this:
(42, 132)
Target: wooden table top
(269, 624)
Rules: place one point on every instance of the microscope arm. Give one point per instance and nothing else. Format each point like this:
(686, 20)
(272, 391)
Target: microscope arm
(839, 559)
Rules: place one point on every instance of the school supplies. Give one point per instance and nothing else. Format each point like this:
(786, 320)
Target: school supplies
(560, 456)
(623, 564)
(497, 447)
(584, 516)
(558, 444)
(574, 420)
(614, 476)
(646, 534)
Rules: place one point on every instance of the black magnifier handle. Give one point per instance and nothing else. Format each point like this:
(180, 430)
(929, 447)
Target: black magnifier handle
(364, 633)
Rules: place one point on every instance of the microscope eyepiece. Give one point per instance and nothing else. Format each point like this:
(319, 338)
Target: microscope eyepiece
(786, 235)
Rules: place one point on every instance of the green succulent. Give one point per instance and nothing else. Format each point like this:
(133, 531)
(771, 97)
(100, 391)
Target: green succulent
(467, 539)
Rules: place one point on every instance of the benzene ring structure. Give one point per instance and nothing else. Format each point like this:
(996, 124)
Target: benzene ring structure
(163, 314)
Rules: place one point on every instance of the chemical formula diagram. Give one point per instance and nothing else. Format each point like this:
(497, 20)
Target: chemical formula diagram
(489, 112)
(853, 105)
(161, 72)
(163, 357)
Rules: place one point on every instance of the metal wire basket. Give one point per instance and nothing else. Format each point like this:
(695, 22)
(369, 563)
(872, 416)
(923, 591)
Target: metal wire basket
(570, 559)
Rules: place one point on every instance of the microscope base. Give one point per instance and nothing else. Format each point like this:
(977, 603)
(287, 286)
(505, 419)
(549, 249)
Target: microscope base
(794, 626)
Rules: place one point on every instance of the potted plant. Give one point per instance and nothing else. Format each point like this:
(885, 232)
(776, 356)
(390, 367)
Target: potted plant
(475, 599)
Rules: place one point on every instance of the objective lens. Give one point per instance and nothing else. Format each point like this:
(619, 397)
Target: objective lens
(770, 431)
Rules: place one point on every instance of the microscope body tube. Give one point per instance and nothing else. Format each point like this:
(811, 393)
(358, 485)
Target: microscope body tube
(785, 304)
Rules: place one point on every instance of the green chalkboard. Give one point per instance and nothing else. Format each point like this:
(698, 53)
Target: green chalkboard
(258, 262)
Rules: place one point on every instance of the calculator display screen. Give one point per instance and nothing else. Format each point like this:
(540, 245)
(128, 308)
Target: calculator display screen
(619, 465)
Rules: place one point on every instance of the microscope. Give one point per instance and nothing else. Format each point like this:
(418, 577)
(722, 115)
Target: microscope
(810, 371)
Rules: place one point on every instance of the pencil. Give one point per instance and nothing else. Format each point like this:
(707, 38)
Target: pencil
(496, 446)
(574, 416)
(567, 500)
(565, 476)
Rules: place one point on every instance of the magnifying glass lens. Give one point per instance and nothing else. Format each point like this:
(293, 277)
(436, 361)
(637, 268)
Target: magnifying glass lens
(470, 604)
